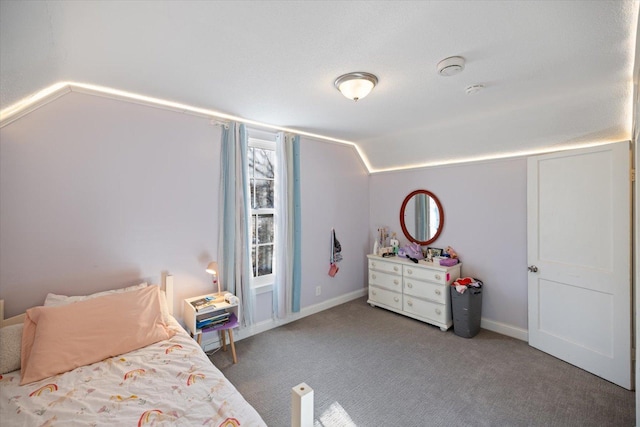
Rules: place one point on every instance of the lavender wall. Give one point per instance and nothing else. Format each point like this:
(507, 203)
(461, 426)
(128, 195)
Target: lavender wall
(335, 194)
(485, 222)
(97, 193)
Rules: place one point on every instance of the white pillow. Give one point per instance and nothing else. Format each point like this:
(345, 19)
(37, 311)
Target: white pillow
(54, 300)
(10, 344)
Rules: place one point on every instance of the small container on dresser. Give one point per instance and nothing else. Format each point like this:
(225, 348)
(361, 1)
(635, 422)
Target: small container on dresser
(420, 291)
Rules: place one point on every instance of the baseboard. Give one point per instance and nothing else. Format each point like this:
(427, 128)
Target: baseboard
(504, 329)
(274, 323)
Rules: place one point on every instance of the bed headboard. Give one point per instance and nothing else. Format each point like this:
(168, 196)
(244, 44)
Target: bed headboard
(10, 321)
(167, 285)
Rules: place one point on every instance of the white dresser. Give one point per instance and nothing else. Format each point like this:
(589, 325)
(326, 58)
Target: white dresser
(420, 291)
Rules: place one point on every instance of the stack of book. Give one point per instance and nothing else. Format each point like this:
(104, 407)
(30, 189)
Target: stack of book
(202, 303)
(213, 319)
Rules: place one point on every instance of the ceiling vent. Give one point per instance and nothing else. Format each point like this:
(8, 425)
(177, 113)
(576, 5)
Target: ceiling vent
(451, 66)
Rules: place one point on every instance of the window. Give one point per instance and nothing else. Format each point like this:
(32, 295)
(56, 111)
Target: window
(261, 158)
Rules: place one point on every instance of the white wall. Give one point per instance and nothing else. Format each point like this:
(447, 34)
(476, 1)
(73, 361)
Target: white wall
(97, 193)
(485, 222)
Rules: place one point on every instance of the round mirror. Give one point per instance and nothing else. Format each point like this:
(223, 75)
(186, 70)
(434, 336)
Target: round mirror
(421, 217)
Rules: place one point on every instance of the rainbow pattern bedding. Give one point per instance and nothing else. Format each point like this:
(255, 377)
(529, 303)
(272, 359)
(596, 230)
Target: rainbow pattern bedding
(171, 382)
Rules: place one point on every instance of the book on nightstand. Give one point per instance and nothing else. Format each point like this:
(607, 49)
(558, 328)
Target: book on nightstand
(201, 303)
(213, 321)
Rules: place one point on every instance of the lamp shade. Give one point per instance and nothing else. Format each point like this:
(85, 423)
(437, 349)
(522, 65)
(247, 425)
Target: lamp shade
(357, 85)
(212, 268)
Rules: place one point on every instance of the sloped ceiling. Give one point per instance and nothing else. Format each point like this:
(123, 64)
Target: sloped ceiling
(556, 74)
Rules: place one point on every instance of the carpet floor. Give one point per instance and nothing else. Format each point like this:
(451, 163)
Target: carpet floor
(371, 367)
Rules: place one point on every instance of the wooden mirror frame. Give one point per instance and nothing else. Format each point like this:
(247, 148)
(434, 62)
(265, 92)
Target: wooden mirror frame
(404, 227)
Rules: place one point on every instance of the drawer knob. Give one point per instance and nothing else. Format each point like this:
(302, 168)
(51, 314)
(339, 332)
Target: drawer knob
(373, 276)
(396, 299)
(410, 303)
(438, 311)
(438, 277)
(396, 282)
(438, 292)
(373, 293)
(409, 285)
(410, 271)
(395, 268)
(373, 264)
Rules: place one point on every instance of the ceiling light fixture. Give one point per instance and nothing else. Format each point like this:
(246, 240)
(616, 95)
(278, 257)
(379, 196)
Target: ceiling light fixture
(356, 85)
(451, 66)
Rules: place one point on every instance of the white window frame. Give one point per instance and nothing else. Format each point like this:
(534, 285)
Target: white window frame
(264, 140)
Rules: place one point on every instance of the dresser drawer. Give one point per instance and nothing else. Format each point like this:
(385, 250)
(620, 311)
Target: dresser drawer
(430, 310)
(388, 267)
(431, 275)
(385, 280)
(428, 290)
(386, 297)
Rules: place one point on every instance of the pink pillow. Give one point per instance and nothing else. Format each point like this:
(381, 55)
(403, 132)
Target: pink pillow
(59, 339)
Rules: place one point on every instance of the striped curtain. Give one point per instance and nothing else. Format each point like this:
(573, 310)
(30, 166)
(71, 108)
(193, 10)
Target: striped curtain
(234, 250)
(286, 288)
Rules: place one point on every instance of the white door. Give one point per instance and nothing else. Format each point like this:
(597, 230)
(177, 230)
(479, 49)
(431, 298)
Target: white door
(579, 248)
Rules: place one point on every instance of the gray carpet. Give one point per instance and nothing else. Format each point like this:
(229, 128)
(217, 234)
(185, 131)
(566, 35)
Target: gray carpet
(372, 367)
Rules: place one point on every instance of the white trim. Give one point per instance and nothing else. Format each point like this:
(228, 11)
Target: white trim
(263, 288)
(48, 94)
(265, 144)
(504, 329)
(32, 103)
(274, 323)
(262, 281)
(37, 100)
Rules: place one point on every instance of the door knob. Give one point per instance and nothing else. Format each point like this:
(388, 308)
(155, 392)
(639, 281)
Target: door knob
(533, 268)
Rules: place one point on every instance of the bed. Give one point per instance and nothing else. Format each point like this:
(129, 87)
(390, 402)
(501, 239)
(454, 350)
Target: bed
(167, 382)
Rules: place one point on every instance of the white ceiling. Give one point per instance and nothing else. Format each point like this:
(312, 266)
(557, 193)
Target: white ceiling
(556, 73)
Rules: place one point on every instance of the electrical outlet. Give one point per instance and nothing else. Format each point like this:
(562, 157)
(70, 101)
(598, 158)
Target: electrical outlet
(318, 290)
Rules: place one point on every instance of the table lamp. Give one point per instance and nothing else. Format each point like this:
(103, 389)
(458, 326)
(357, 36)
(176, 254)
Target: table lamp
(212, 269)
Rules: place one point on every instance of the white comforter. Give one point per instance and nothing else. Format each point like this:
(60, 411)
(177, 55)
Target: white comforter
(168, 383)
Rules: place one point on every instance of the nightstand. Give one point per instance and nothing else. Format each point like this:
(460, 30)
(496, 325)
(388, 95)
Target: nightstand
(220, 316)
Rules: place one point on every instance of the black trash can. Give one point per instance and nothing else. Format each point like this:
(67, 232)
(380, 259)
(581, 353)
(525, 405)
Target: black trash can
(466, 309)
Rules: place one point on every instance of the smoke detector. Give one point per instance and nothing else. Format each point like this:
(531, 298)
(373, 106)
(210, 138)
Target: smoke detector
(473, 89)
(451, 66)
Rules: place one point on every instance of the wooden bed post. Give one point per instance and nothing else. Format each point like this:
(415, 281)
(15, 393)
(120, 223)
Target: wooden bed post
(12, 320)
(302, 406)
(168, 289)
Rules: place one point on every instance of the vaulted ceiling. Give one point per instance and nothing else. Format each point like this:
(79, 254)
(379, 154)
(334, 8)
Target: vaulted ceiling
(555, 74)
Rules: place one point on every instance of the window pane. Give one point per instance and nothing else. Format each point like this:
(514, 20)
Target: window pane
(265, 260)
(264, 191)
(250, 157)
(253, 261)
(264, 163)
(265, 229)
(252, 195)
(253, 229)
